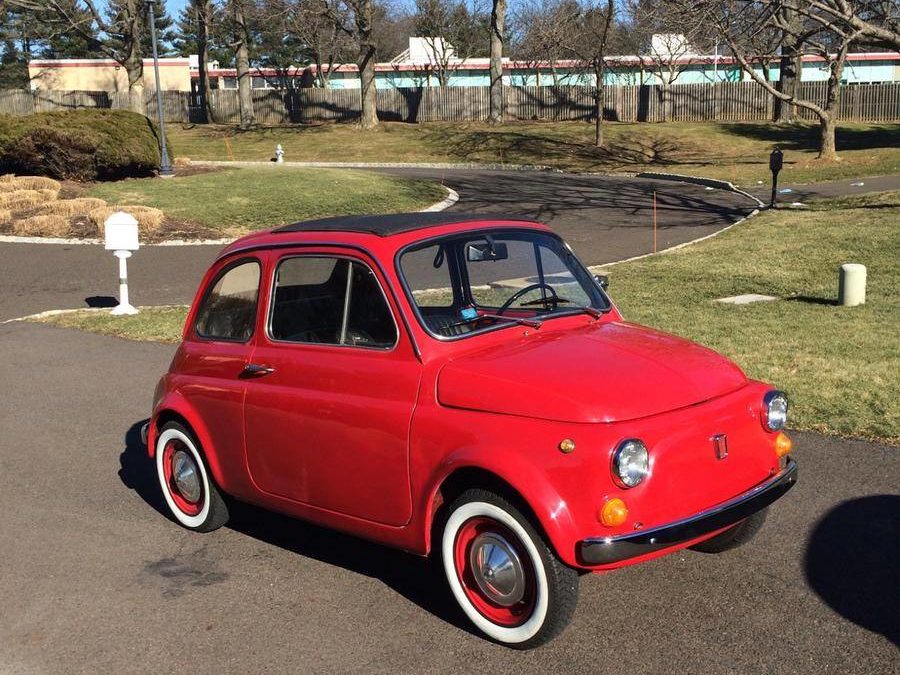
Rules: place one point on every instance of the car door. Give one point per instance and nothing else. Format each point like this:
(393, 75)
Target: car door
(209, 364)
(327, 419)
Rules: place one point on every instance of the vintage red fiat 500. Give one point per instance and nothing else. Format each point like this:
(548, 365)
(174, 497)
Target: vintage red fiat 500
(460, 386)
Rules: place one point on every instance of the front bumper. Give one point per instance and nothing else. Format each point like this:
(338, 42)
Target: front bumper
(608, 550)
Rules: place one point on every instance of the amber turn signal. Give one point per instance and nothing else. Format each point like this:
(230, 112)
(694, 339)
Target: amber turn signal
(614, 512)
(783, 444)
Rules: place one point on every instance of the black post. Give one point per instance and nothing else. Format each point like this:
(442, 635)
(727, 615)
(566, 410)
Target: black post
(776, 159)
(165, 167)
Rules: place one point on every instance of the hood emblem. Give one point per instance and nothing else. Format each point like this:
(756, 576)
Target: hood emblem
(720, 443)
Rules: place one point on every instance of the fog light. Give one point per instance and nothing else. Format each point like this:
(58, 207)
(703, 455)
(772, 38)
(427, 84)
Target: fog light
(614, 512)
(783, 444)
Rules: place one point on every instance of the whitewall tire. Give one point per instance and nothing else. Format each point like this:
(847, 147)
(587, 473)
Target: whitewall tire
(502, 572)
(189, 491)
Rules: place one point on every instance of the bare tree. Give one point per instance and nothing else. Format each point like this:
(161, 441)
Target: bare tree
(741, 22)
(670, 42)
(312, 23)
(590, 30)
(202, 11)
(451, 32)
(237, 11)
(541, 30)
(498, 35)
(876, 21)
(119, 28)
(357, 20)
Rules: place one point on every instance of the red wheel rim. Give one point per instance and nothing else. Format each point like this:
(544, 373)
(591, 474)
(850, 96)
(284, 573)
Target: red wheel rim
(472, 531)
(187, 506)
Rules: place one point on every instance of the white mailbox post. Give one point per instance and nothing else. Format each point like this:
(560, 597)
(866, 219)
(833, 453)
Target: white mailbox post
(121, 237)
(279, 154)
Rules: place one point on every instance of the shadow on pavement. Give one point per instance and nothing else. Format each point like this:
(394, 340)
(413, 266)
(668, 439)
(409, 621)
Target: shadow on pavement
(411, 576)
(851, 562)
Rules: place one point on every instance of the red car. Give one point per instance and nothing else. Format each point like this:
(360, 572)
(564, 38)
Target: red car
(460, 386)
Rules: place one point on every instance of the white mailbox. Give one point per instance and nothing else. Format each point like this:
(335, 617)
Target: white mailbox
(120, 234)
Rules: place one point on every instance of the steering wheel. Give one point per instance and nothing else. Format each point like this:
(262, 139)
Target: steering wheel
(554, 298)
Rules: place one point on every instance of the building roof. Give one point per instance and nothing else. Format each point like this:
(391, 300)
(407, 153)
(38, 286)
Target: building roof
(392, 223)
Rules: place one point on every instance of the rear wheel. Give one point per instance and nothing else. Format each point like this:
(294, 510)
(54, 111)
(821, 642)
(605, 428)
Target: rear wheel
(502, 572)
(735, 536)
(187, 487)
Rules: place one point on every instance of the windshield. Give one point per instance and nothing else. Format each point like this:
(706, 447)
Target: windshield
(471, 282)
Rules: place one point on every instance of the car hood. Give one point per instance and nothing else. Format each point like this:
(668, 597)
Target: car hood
(607, 372)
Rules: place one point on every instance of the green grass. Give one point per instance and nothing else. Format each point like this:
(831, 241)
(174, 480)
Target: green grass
(732, 151)
(240, 200)
(152, 324)
(840, 366)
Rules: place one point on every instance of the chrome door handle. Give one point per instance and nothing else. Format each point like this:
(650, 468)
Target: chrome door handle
(256, 370)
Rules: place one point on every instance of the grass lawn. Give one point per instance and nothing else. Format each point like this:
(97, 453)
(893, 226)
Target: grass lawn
(240, 200)
(840, 366)
(732, 151)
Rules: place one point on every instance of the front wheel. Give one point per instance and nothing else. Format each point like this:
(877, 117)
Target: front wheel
(502, 572)
(190, 493)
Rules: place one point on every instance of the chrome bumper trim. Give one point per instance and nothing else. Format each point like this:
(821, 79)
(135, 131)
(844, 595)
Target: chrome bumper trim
(145, 429)
(607, 550)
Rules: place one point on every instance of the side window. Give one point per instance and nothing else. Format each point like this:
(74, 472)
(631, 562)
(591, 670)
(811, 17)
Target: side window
(427, 273)
(330, 301)
(228, 311)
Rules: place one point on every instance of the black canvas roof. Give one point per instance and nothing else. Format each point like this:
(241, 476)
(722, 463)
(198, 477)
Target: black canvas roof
(391, 223)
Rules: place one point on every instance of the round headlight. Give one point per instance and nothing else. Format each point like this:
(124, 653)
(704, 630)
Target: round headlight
(775, 410)
(631, 463)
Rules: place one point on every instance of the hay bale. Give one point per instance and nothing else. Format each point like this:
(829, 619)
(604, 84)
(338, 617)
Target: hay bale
(34, 183)
(7, 177)
(26, 199)
(81, 206)
(5, 216)
(149, 219)
(42, 226)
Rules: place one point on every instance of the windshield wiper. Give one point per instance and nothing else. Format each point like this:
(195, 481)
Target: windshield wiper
(531, 323)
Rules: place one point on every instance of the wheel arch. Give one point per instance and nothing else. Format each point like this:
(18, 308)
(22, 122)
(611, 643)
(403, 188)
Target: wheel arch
(176, 409)
(546, 511)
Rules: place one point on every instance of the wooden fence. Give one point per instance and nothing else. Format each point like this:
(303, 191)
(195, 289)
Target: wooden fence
(724, 101)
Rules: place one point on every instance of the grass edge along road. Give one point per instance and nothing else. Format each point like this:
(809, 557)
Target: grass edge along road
(237, 201)
(735, 151)
(837, 364)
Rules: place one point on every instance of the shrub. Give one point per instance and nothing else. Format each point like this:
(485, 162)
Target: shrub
(149, 219)
(79, 144)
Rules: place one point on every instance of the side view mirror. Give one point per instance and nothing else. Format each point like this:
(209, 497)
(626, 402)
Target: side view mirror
(602, 280)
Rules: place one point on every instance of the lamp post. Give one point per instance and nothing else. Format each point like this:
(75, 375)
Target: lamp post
(165, 167)
(776, 159)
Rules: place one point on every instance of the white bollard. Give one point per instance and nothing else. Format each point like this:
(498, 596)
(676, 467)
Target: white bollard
(852, 285)
(121, 237)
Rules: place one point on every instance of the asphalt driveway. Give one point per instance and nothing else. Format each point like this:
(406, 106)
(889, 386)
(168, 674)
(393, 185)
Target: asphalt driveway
(96, 580)
(603, 218)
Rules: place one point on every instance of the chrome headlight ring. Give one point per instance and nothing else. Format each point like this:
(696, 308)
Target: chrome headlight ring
(630, 463)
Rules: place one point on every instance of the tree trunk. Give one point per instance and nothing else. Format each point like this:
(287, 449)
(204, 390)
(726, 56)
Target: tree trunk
(498, 22)
(133, 62)
(789, 75)
(598, 118)
(828, 122)
(827, 148)
(203, 12)
(242, 66)
(368, 118)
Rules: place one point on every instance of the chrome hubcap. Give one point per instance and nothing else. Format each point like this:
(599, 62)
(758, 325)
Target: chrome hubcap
(497, 569)
(186, 476)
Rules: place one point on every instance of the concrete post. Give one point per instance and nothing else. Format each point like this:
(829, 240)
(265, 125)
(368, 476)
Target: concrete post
(852, 285)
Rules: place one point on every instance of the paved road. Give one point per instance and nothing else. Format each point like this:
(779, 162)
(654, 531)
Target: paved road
(837, 188)
(95, 580)
(604, 218)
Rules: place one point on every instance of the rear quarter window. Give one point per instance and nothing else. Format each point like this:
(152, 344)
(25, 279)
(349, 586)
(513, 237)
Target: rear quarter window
(228, 310)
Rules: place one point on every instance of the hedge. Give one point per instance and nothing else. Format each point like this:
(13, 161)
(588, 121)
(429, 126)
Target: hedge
(79, 144)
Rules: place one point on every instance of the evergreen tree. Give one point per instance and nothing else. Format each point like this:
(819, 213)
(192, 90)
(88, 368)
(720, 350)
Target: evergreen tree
(187, 29)
(165, 32)
(56, 40)
(14, 47)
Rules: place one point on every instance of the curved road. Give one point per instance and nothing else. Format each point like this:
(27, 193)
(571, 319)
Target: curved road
(603, 218)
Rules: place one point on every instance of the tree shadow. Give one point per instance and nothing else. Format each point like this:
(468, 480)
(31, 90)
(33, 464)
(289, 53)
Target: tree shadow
(805, 136)
(851, 562)
(413, 577)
